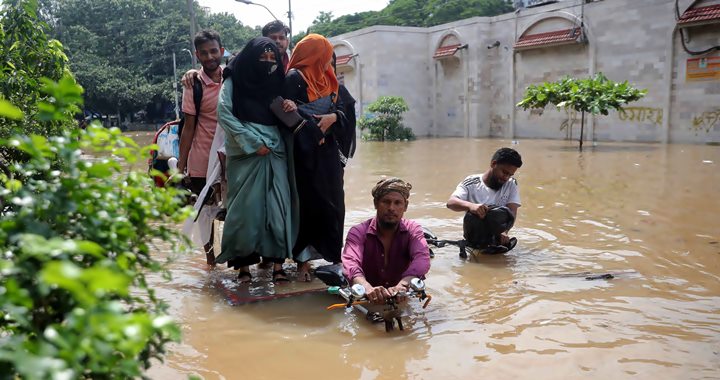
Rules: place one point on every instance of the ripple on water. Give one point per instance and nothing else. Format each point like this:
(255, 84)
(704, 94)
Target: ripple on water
(593, 213)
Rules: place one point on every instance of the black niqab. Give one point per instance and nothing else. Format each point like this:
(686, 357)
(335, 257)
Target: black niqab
(255, 83)
(346, 135)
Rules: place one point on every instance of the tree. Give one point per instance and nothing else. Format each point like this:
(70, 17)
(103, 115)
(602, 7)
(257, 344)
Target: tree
(233, 33)
(386, 123)
(26, 56)
(596, 95)
(121, 50)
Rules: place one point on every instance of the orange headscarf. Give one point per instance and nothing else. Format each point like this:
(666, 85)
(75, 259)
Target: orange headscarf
(310, 58)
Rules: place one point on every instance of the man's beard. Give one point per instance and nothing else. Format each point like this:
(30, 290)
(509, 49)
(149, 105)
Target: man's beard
(493, 183)
(212, 64)
(385, 225)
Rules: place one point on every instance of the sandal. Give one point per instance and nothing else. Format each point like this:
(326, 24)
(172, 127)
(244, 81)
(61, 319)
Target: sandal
(512, 243)
(494, 250)
(242, 275)
(279, 276)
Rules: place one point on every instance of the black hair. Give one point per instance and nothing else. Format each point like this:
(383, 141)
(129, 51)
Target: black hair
(207, 35)
(274, 27)
(507, 156)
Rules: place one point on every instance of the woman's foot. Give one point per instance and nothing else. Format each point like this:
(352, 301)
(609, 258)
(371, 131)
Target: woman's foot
(279, 275)
(210, 255)
(244, 276)
(303, 272)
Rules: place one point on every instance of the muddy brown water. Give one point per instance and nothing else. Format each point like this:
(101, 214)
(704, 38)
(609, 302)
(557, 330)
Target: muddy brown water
(648, 213)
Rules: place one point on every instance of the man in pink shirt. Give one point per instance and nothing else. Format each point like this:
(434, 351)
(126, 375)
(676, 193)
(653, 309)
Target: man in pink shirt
(384, 253)
(199, 130)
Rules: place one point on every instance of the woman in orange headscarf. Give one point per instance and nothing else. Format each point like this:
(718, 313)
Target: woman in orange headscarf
(311, 83)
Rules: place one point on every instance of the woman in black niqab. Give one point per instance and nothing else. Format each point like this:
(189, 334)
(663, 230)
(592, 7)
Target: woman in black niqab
(256, 82)
(262, 216)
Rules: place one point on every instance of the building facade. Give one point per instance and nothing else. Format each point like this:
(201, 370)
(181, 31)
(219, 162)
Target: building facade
(464, 78)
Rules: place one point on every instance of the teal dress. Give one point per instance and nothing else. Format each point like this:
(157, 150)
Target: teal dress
(262, 216)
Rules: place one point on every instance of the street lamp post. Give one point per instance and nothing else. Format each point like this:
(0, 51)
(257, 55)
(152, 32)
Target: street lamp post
(191, 57)
(290, 23)
(177, 112)
(251, 3)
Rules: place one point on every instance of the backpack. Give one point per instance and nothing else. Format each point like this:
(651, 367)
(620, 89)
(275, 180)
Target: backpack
(168, 140)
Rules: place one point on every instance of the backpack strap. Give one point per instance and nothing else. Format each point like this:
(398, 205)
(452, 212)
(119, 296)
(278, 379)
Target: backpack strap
(197, 99)
(197, 96)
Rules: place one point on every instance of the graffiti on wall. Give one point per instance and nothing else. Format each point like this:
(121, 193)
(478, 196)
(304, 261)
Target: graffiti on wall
(706, 121)
(496, 125)
(642, 115)
(569, 122)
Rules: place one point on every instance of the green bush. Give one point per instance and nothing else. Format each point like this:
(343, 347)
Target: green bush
(77, 235)
(386, 122)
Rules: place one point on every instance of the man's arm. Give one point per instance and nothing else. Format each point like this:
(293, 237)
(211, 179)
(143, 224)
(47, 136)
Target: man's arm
(457, 204)
(419, 255)
(352, 258)
(352, 254)
(419, 264)
(459, 201)
(186, 139)
(188, 132)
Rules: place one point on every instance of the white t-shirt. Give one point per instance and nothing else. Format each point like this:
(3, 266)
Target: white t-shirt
(473, 189)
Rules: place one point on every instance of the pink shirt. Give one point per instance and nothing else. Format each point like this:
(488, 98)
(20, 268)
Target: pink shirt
(364, 254)
(207, 122)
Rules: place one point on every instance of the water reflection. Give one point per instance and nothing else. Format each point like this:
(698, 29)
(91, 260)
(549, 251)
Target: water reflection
(645, 213)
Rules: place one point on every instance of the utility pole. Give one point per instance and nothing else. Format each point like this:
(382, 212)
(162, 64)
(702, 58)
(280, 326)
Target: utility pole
(290, 23)
(191, 12)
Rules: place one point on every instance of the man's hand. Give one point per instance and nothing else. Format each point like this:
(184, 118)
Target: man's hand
(376, 294)
(400, 291)
(325, 121)
(480, 210)
(263, 150)
(189, 77)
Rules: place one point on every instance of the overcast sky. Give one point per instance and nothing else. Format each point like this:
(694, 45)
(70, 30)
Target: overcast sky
(304, 11)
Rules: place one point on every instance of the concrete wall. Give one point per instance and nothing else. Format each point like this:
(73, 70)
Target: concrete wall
(473, 93)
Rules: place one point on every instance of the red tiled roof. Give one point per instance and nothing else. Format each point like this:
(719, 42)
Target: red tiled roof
(446, 51)
(700, 15)
(343, 59)
(558, 37)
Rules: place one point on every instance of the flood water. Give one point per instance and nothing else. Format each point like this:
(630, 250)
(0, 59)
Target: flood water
(647, 213)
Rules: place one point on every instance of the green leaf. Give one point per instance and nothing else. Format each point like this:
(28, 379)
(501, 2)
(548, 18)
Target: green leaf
(10, 111)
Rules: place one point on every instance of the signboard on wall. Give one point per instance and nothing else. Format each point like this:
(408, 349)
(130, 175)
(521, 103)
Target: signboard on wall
(702, 69)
